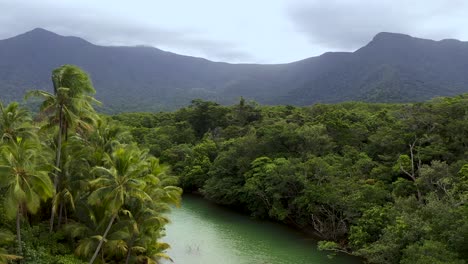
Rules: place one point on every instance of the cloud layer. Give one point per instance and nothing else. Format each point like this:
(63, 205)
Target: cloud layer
(347, 24)
(266, 31)
(107, 29)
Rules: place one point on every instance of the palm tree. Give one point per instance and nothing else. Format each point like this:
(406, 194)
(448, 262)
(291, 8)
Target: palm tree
(146, 219)
(14, 122)
(69, 106)
(88, 227)
(76, 165)
(142, 232)
(161, 185)
(117, 182)
(143, 228)
(105, 137)
(6, 237)
(154, 253)
(25, 179)
(81, 153)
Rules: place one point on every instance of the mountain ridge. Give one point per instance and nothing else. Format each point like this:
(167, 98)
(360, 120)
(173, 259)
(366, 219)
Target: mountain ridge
(392, 67)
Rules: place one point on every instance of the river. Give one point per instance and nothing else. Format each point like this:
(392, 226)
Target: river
(204, 233)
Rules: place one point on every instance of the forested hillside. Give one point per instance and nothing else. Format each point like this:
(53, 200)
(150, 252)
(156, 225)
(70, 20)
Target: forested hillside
(391, 68)
(74, 186)
(387, 182)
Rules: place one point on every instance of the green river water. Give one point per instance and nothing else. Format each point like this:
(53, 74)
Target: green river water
(204, 233)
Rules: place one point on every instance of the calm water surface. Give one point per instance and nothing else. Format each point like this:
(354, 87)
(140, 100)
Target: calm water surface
(203, 233)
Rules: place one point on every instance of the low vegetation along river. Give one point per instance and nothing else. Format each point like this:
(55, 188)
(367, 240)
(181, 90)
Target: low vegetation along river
(204, 233)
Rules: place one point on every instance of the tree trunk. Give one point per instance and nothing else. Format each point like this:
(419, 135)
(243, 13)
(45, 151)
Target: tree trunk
(60, 215)
(413, 170)
(57, 165)
(127, 260)
(18, 231)
(418, 192)
(66, 217)
(129, 251)
(102, 239)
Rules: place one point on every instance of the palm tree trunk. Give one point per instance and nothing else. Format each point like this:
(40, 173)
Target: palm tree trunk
(60, 215)
(57, 164)
(128, 256)
(129, 251)
(102, 239)
(59, 144)
(18, 231)
(66, 217)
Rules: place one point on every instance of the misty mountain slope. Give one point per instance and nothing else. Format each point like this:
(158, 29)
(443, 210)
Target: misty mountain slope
(391, 68)
(133, 78)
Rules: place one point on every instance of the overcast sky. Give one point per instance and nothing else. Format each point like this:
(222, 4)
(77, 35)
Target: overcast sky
(259, 31)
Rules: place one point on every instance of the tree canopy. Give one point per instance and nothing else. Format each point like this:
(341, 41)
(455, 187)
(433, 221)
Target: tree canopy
(387, 182)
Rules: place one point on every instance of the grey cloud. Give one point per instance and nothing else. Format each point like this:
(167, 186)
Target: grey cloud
(104, 30)
(347, 25)
(106, 33)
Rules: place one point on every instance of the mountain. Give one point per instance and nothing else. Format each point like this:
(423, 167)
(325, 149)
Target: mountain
(391, 68)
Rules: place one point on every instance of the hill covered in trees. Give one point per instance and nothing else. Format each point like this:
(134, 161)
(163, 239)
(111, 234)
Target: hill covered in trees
(387, 182)
(391, 68)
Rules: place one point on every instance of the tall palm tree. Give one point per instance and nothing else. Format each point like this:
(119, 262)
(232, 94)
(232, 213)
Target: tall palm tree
(25, 179)
(76, 165)
(119, 180)
(70, 106)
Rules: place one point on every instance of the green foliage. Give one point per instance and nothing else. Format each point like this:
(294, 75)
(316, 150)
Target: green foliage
(6, 240)
(383, 181)
(24, 176)
(42, 247)
(429, 252)
(84, 172)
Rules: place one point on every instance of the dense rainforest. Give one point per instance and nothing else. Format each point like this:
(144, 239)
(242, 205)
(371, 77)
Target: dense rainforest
(387, 182)
(74, 186)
